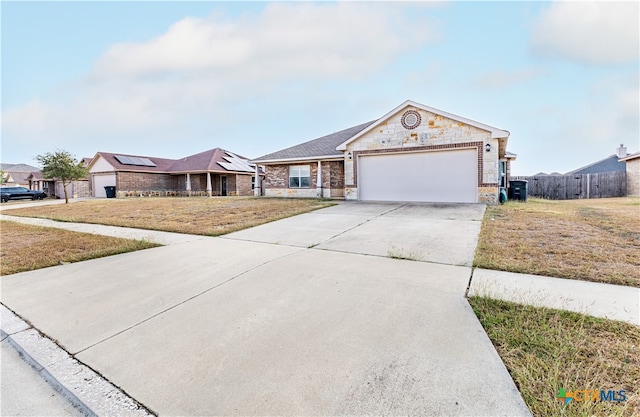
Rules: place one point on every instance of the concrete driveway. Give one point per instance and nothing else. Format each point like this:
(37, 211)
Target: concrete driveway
(304, 316)
(440, 233)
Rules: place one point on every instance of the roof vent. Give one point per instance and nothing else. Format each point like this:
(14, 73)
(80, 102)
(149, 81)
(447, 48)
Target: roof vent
(411, 119)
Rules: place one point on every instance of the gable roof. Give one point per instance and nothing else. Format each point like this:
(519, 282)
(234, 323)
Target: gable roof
(334, 144)
(321, 147)
(631, 157)
(18, 168)
(608, 164)
(213, 160)
(162, 164)
(495, 132)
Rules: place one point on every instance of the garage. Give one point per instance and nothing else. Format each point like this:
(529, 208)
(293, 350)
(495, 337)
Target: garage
(101, 181)
(440, 176)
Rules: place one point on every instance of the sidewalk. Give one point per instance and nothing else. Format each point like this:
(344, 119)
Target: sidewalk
(613, 302)
(154, 236)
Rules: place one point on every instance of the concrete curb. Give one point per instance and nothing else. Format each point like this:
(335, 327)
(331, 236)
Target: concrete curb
(86, 390)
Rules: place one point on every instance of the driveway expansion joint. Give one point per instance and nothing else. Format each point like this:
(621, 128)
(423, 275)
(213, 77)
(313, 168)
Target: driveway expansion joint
(187, 300)
(466, 292)
(360, 224)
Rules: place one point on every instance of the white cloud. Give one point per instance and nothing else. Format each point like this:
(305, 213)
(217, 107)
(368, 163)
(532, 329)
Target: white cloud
(505, 79)
(307, 40)
(591, 33)
(200, 71)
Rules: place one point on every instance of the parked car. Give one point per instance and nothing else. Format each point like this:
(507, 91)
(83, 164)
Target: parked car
(17, 193)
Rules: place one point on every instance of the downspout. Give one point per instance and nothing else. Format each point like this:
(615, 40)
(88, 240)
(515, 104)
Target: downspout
(319, 180)
(256, 183)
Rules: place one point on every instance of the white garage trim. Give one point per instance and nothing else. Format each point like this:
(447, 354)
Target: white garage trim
(100, 181)
(436, 176)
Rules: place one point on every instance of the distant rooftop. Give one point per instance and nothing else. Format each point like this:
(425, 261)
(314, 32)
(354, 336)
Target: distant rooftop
(609, 164)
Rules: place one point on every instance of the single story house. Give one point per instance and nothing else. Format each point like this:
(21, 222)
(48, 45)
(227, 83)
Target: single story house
(611, 163)
(214, 172)
(16, 175)
(55, 188)
(412, 153)
(633, 173)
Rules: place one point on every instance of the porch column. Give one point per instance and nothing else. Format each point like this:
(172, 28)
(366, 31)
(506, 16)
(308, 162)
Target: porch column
(256, 184)
(188, 184)
(209, 184)
(319, 180)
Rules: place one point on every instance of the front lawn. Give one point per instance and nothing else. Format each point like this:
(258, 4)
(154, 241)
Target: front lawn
(196, 215)
(593, 240)
(26, 247)
(546, 350)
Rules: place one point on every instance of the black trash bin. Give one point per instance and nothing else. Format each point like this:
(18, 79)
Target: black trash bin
(518, 190)
(111, 191)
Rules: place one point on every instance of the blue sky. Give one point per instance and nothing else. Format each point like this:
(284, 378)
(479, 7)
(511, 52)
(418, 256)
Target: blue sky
(170, 79)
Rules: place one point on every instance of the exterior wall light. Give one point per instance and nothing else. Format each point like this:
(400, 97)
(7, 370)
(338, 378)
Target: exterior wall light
(349, 155)
(487, 147)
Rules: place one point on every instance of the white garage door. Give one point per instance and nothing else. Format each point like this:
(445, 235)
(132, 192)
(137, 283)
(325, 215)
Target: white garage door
(446, 176)
(101, 181)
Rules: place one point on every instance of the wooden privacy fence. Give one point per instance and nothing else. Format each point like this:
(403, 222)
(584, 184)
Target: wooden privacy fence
(574, 186)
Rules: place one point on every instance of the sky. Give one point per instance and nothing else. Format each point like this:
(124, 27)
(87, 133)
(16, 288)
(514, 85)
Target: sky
(171, 79)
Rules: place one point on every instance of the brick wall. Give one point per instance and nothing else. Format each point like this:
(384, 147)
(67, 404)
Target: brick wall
(277, 176)
(633, 177)
(277, 180)
(81, 189)
(142, 181)
(243, 185)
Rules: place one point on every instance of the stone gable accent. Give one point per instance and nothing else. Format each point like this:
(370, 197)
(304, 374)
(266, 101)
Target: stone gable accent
(433, 133)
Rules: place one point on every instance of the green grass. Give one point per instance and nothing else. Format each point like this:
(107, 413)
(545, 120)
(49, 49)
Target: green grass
(546, 349)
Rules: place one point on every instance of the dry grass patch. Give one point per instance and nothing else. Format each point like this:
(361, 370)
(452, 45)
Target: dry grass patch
(594, 240)
(545, 350)
(196, 215)
(25, 247)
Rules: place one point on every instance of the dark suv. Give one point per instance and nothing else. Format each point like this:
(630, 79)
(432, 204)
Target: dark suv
(17, 193)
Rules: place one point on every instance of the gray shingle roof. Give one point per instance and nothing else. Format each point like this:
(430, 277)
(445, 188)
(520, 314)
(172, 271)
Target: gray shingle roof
(18, 168)
(323, 146)
(609, 164)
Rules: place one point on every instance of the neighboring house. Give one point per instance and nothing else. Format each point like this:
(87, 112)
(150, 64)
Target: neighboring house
(214, 172)
(55, 188)
(16, 174)
(412, 153)
(611, 163)
(633, 173)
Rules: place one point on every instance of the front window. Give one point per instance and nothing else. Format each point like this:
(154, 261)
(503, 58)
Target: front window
(299, 176)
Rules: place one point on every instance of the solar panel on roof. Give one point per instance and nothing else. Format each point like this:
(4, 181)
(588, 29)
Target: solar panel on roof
(123, 159)
(147, 162)
(134, 160)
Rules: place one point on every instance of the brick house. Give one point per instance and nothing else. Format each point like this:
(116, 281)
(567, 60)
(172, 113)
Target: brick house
(215, 172)
(412, 153)
(632, 168)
